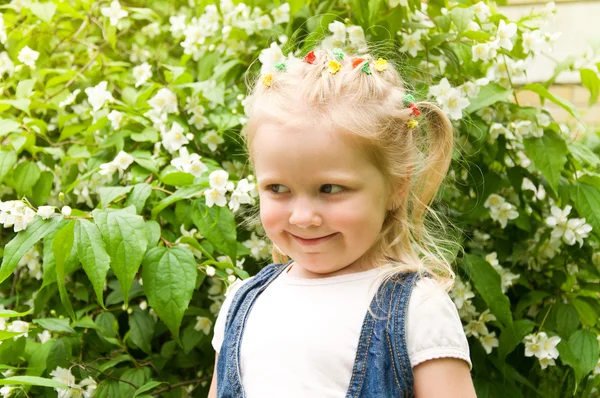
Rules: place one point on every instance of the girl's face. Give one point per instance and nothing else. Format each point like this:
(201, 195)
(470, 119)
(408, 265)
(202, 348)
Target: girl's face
(322, 202)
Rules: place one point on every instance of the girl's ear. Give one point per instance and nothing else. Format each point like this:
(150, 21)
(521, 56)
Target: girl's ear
(399, 193)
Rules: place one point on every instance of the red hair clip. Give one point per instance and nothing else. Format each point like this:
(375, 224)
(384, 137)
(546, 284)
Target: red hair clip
(415, 111)
(357, 61)
(310, 58)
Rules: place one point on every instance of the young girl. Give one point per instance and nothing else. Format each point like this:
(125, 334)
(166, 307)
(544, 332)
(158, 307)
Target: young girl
(347, 164)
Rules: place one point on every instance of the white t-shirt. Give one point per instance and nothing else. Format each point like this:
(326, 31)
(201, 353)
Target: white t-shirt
(301, 335)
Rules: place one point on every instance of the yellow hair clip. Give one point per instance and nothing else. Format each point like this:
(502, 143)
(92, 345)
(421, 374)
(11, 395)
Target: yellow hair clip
(333, 67)
(267, 79)
(380, 65)
(412, 123)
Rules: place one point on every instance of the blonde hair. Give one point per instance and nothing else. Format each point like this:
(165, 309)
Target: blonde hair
(370, 107)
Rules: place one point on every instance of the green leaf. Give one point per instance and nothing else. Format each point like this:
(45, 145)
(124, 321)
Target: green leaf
(125, 236)
(487, 282)
(580, 352)
(177, 179)
(33, 381)
(586, 311)
(20, 104)
(4, 335)
(146, 387)
(37, 357)
(217, 225)
(141, 329)
(591, 81)
(169, 278)
(549, 155)
(148, 135)
(44, 11)
(25, 176)
(108, 194)
(586, 198)
(91, 251)
(24, 241)
(55, 325)
(138, 197)
(144, 159)
(545, 94)
(583, 154)
(42, 188)
(567, 320)
(8, 126)
(153, 231)
(13, 314)
(8, 159)
(512, 336)
(489, 95)
(461, 17)
(182, 193)
(25, 88)
(61, 247)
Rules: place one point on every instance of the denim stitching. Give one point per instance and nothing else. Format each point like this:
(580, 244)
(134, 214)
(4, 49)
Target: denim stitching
(390, 343)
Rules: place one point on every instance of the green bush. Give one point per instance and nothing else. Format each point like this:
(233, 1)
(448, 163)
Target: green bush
(124, 185)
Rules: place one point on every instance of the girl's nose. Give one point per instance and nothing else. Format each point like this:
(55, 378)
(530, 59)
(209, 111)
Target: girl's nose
(305, 215)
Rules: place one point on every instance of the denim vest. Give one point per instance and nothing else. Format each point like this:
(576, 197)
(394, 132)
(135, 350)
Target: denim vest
(381, 367)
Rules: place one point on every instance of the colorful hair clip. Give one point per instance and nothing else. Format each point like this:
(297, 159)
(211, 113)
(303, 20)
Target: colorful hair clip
(333, 67)
(366, 68)
(412, 123)
(267, 80)
(280, 66)
(380, 65)
(337, 52)
(310, 58)
(357, 61)
(409, 101)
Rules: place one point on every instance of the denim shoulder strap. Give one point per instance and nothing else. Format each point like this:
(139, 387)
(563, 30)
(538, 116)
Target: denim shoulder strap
(229, 380)
(382, 365)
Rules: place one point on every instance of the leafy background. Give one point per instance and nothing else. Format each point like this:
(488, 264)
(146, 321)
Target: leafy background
(124, 187)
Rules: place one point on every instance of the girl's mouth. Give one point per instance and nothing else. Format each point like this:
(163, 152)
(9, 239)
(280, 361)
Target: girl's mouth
(313, 241)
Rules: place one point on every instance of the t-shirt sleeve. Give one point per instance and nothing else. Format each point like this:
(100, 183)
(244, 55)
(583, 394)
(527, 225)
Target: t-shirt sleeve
(434, 328)
(219, 331)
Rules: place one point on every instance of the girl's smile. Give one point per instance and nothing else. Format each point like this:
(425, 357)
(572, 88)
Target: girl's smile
(313, 241)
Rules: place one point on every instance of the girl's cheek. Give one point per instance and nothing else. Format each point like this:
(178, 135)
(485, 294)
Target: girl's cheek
(272, 214)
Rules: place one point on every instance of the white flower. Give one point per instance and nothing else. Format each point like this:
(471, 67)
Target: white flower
(472, 25)
(281, 14)
(502, 214)
(115, 118)
(70, 99)
(64, 376)
(123, 160)
(269, 57)
(44, 336)
(453, 103)
(264, 22)
(482, 11)
(218, 179)
(189, 163)
(98, 95)
(476, 328)
(142, 73)
(28, 56)
(6, 64)
(533, 42)
(164, 101)
(177, 25)
(215, 196)
(257, 247)
(489, 341)
(240, 195)
(542, 347)
(470, 89)
(493, 201)
(203, 324)
(65, 211)
(114, 12)
(441, 89)
(45, 212)
(19, 327)
(356, 35)
(212, 139)
(151, 30)
(108, 169)
(175, 138)
(484, 51)
(338, 30)
(210, 271)
(412, 43)
(570, 231)
(7, 391)
(505, 33)
(461, 293)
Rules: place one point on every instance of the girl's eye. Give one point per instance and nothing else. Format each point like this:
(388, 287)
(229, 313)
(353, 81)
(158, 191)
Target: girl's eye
(331, 188)
(277, 188)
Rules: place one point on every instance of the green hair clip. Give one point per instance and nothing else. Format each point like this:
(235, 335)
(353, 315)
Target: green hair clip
(280, 66)
(338, 53)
